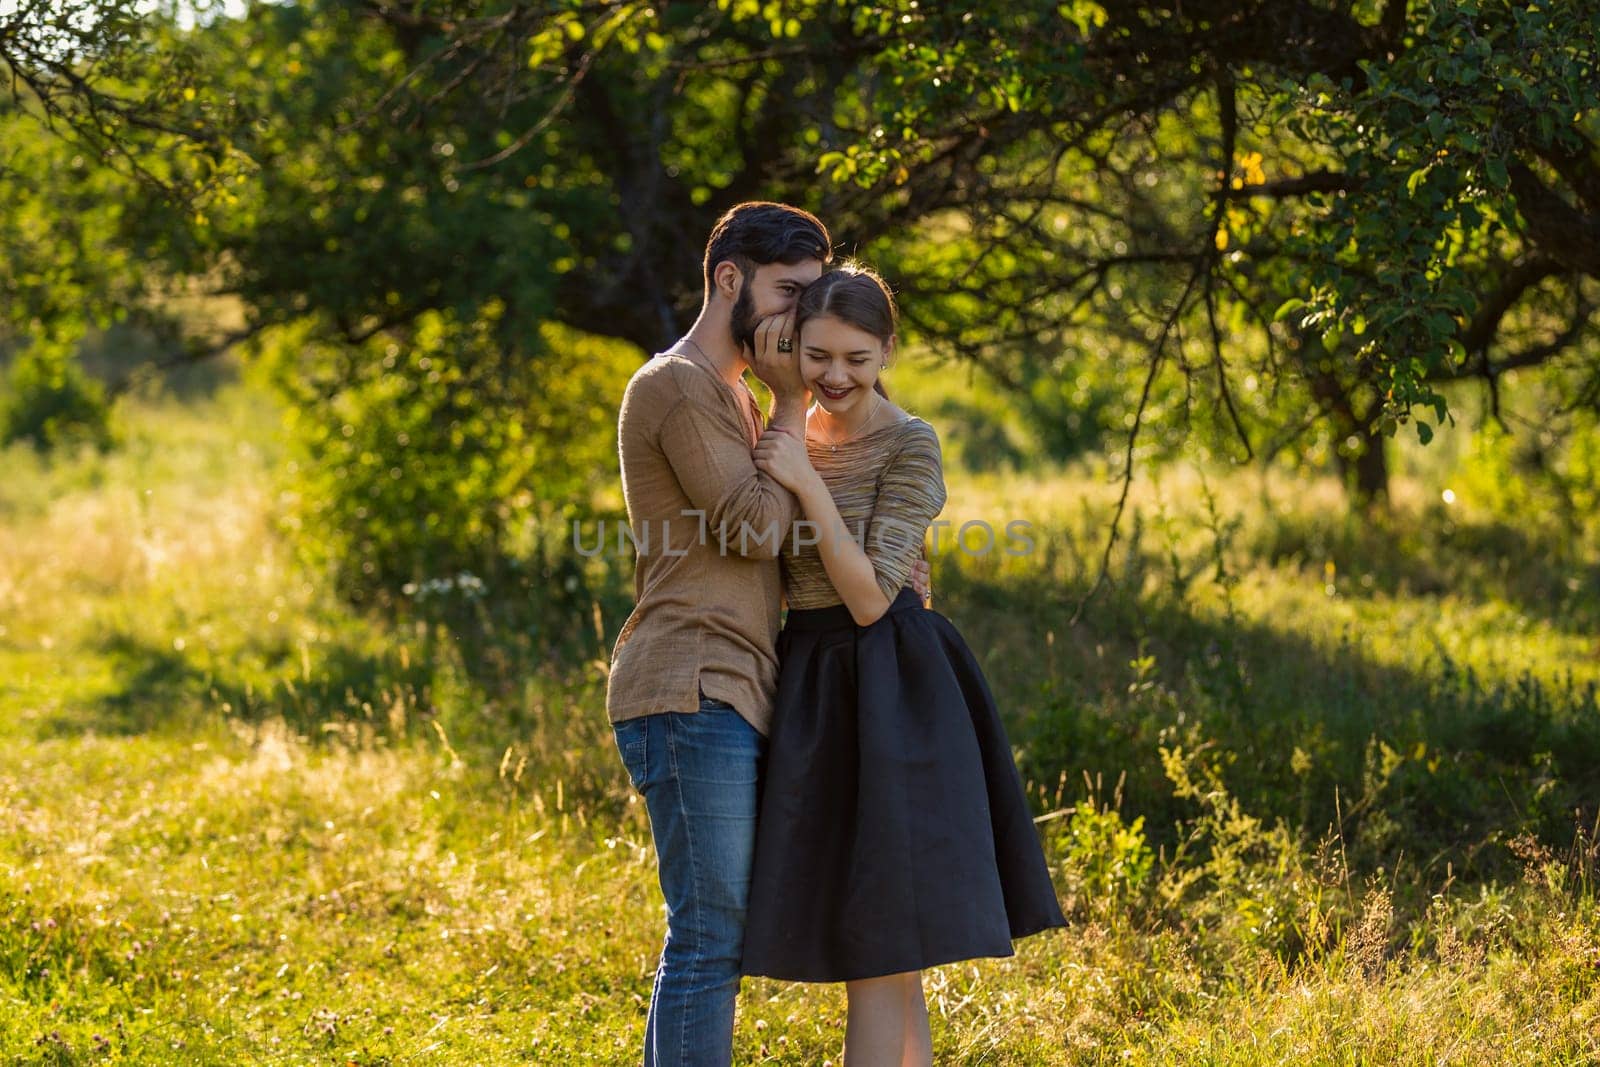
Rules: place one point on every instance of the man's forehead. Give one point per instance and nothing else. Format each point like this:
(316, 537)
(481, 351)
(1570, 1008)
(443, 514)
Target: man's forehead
(803, 273)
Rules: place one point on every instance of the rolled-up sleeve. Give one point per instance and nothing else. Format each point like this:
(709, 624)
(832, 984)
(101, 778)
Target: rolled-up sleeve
(746, 511)
(911, 494)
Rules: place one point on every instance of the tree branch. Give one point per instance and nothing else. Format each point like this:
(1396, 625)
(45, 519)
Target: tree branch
(1319, 181)
(1560, 230)
(1492, 309)
(1392, 23)
(1157, 356)
(189, 356)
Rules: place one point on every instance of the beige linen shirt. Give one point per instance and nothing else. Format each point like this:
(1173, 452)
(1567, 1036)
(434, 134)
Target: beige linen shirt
(707, 527)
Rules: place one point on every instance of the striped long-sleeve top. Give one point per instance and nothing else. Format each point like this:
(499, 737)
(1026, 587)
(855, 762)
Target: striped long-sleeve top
(888, 485)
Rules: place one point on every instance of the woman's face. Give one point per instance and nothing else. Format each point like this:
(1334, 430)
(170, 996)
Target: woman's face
(840, 363)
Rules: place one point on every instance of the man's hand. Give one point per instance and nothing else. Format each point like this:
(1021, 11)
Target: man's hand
(922, 580)
(780, 370)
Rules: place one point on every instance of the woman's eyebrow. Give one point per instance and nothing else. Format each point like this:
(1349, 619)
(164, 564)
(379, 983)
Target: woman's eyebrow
(826, 352)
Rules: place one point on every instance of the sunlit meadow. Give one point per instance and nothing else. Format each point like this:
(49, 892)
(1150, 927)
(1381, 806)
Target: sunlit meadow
(1317, 787)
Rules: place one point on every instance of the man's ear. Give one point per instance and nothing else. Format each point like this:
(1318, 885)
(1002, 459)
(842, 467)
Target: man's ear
(727, 277)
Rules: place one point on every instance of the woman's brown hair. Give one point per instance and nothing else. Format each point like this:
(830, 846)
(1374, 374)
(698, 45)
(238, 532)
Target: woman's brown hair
(857, 296)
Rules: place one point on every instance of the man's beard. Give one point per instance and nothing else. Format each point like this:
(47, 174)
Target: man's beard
(742, 322)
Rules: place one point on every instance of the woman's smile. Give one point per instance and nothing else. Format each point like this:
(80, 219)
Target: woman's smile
(839, 360)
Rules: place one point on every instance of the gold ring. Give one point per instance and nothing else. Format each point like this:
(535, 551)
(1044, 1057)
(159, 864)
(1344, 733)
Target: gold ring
(785, 344)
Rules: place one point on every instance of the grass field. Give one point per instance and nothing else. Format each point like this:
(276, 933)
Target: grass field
(1317, 787)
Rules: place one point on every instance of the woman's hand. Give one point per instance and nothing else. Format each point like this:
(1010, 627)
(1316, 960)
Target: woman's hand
(781, 456)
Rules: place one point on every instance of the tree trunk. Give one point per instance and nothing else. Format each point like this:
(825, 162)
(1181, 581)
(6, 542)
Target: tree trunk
(1367, 474)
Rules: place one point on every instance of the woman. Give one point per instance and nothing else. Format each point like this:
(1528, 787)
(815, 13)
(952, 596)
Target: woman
(893, 834)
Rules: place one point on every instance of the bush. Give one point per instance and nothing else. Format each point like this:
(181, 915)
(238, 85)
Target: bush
(444, 457)
(48, 401)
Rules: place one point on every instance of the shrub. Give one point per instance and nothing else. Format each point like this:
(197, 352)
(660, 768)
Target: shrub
(48, 401)
(441, 453)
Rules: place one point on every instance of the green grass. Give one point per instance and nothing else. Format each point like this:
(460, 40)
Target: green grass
(241, 823)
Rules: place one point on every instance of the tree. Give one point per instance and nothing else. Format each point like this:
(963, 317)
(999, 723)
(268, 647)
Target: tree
(1412, 188)
(1348, 204)
(117, 90)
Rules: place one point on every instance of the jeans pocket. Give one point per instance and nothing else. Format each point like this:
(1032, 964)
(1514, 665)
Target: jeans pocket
(633, 744)
(713, 743)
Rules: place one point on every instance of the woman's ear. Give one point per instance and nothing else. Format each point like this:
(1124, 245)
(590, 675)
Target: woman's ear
(727, 275)
(888, 350)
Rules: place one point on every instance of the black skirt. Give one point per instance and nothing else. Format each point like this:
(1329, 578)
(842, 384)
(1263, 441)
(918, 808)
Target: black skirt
(894, 834)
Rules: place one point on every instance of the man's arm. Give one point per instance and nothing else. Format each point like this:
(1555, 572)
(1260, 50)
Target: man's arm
(922, 580)
(746, 511)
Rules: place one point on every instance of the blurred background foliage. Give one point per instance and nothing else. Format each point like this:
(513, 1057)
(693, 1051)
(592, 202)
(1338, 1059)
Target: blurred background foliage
(1353, 241)
(1277, 231)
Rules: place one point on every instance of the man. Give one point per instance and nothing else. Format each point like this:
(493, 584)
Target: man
(694, 670)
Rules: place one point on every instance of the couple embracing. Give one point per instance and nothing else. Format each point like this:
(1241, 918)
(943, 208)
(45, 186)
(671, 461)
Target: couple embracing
(835, 801)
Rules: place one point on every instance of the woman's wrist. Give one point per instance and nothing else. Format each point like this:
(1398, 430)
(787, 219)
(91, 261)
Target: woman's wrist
(813, 496)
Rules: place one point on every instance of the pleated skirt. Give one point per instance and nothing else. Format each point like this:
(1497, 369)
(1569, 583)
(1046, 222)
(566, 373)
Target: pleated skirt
(894, 834)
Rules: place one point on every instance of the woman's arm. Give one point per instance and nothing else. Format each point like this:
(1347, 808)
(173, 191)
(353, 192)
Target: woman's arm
(912, 491)
(849, 568)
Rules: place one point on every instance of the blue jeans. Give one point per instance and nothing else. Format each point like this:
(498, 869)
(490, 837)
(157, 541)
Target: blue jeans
(697, 772)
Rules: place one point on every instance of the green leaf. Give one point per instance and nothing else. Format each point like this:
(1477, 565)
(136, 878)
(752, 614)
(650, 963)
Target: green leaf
(1288, 307)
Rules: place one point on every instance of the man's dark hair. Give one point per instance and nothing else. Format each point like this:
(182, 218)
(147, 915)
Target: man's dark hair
(759, 232)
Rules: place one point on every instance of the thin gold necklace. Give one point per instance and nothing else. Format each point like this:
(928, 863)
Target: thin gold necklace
(833, 445)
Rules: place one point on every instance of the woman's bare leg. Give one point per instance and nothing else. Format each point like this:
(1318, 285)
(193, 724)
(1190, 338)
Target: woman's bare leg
(919, 1039)
(879, 1020)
